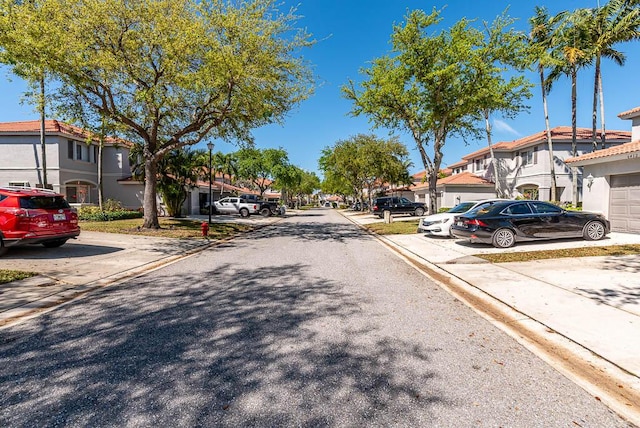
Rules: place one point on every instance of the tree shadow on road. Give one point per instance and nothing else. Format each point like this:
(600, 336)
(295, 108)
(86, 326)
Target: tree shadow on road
(225, 348)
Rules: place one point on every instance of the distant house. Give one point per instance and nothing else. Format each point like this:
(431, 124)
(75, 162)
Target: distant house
(523, 167)
(612, 179)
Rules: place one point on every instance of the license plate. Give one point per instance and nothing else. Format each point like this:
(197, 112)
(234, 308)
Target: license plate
(460, 224)
(59, 217)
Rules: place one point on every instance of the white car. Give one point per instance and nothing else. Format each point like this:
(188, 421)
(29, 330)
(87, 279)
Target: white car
(440, 224)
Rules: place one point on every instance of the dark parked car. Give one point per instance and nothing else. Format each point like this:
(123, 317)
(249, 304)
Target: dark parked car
(35, 216)
(397, 205)
(505, 223)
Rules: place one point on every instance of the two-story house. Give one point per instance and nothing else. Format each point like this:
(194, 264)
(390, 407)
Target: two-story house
(71, 162)
(523, 168)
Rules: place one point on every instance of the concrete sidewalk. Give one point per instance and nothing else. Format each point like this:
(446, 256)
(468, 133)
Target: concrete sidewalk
(590, 305)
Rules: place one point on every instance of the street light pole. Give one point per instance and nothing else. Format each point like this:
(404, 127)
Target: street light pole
(210, 147)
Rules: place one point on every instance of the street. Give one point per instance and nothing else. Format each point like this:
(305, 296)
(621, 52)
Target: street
(306, 322)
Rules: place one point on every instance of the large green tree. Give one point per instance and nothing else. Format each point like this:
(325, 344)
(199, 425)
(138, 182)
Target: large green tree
(261, 167)
(27, 49)
(364, 162)
(174, 72)
(425, 87)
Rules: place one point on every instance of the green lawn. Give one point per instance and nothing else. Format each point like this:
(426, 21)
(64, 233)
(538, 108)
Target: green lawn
(395, 228)
(169, 228)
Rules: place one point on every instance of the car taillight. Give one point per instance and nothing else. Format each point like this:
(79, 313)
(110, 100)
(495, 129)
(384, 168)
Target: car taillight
(476, 222)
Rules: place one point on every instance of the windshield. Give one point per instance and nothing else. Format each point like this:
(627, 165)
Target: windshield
(462, 208)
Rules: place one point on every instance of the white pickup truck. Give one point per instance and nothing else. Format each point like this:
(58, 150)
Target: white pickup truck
(236, 205)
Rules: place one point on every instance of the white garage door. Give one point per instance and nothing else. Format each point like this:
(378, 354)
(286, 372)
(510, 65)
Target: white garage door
(624, 205)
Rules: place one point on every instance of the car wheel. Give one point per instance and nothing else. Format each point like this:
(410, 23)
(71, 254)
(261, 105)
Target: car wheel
(244, 212)
(54, 244)
(265, 212)
(503, 238)
(3, 249)
(419, 212)
(593, 231)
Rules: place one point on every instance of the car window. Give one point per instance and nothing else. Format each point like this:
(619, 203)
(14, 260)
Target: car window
(462, 207)
(518, 209)
(43, 202)
(543, 208)
(223, 200)
(405, 201)
(3, 197)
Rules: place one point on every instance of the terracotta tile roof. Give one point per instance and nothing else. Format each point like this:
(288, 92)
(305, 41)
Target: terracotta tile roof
(464, 178)
(560, 133)
(611, 151)
(629, 113)
(418, 176)
(53, 127)
(457, 164)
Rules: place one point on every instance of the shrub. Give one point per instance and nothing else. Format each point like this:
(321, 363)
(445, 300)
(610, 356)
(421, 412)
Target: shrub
(112, 210)
(443, 209)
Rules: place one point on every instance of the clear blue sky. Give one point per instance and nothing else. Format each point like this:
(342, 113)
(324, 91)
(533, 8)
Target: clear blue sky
(351, 33)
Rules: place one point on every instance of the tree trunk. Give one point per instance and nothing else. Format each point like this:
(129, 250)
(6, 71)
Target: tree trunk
(552, 161)
(150, 204)
(496, 176)
(574, 127)
(43, 143)
(594, 112)
(602, 127)
(100, 147)
(100, 194)
(433, 173)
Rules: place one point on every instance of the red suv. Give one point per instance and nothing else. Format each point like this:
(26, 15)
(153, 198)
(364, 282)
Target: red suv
(35, 216)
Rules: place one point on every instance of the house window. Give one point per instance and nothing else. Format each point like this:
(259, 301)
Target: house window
(529, 157)
(478, 164)
(78, 151)
(95, 154)
(19, 184)
(70, 149)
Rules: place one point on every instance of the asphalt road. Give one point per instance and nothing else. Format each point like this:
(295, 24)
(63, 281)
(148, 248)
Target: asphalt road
(308, 322)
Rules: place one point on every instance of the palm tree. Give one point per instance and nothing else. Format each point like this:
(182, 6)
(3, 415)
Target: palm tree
(572, 39)
(615, 22)
(543, 27)
(178, 170)
(227, 164)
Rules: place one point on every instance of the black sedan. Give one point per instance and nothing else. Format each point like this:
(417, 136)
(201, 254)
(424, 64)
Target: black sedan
(505, 223)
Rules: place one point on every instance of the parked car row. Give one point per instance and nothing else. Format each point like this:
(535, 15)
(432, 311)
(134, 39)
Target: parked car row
(502, 223)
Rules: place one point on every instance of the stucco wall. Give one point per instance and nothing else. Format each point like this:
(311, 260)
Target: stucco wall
(596, 199)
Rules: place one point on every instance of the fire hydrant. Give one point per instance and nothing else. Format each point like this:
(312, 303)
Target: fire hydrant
(204, 227)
